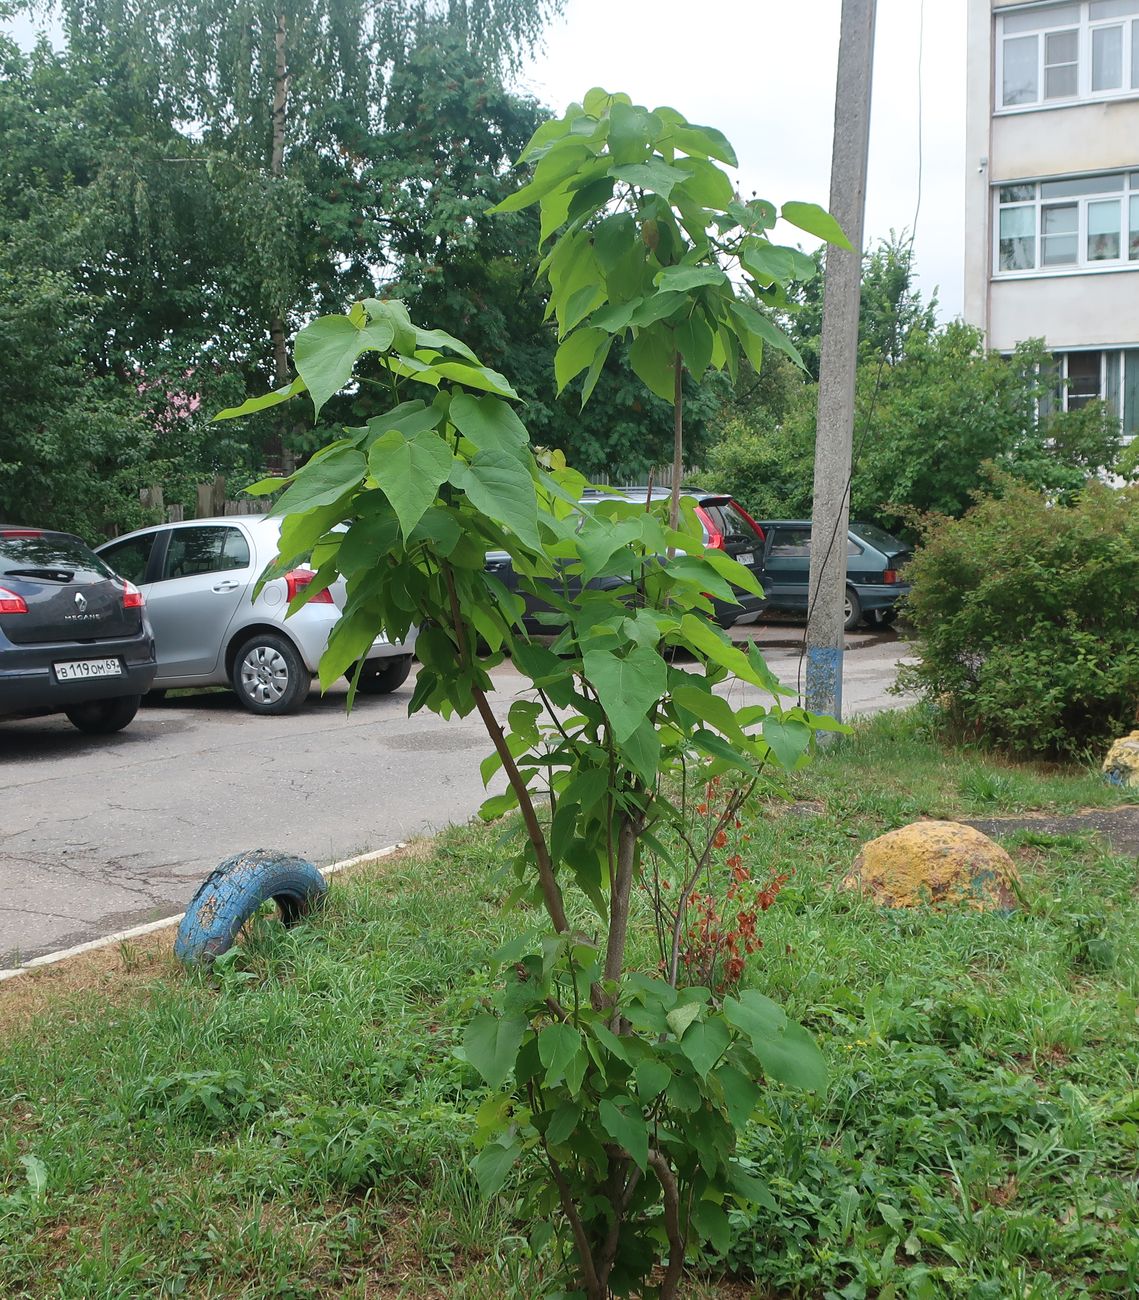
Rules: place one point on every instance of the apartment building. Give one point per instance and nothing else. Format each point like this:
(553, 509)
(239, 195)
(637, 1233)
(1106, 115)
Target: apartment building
(1052, 189)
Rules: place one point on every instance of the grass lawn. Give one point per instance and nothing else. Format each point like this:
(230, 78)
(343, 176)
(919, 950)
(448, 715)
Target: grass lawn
(296, 1124)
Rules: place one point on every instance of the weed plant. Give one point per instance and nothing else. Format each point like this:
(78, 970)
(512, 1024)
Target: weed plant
(297, 1125)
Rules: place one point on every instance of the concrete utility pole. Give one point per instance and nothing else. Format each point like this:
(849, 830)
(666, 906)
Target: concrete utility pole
(838, 357)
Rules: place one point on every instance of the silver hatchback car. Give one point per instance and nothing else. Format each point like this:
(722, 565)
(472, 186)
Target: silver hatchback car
(198, 579)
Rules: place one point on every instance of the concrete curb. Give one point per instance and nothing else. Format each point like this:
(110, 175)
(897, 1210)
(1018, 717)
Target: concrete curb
(149, 927)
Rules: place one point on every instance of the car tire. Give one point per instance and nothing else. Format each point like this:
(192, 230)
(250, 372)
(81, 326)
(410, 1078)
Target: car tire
(852, 614)
(382, 676)
(153, 698)
(269, 675)
(231, 894)
(104, 717)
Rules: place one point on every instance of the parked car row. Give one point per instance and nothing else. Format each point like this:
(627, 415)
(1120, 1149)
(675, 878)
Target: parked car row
(88, 633)
(778, 551)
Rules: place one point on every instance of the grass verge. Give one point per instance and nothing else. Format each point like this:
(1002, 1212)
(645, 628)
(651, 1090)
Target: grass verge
(295, 1125)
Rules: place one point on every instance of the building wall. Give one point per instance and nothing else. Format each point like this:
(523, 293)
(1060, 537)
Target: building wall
(1069, 310)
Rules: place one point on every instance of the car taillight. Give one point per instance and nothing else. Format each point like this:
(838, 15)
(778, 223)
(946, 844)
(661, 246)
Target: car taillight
(891, 575)
(297, 579)
(715, 538)
(132, 597)
(10, 603)
(21, 532)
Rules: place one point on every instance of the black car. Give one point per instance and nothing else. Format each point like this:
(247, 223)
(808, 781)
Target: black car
(74, 637)
(875, 569)
(727, 527)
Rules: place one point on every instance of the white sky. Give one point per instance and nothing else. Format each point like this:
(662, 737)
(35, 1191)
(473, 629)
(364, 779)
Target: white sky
(763, 72)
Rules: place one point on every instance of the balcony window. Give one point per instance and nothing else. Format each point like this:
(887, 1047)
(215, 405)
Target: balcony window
(1069, 223)
(1110, 376)
(1065, 53)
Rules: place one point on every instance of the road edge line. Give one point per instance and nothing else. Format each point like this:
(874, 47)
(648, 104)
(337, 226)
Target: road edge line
(149, 927)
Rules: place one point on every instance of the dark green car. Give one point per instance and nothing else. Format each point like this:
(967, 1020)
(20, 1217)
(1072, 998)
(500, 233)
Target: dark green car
(875, 565)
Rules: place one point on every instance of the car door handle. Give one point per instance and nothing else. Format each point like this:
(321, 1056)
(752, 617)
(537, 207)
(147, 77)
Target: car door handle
(227, 586)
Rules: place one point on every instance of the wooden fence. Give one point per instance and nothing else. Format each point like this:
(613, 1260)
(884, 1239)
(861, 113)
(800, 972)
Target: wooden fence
(212, 500)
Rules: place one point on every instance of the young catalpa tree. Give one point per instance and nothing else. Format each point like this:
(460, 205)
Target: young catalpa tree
(618, 1080)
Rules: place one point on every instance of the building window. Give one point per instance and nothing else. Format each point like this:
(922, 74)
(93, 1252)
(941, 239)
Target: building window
(1111, 376)
(1069, 223)
(1067, 52)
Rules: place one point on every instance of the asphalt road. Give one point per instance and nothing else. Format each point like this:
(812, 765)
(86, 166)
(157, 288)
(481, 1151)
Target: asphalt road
(103, 833)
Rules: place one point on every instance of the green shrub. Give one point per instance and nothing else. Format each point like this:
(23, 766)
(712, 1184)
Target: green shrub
(1027, 618)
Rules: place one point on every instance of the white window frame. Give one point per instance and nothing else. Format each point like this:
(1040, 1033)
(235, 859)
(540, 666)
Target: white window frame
(1129, 89)
(1127, 192)
(1125, 359)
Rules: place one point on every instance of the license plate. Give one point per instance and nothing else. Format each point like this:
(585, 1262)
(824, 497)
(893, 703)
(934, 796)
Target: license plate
(747, 557)
(80, 670)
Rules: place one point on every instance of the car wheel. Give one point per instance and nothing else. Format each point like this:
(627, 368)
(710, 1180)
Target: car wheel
(269, 675)
(103, 717)
(382, 676)
(152, 698)
(852, 610)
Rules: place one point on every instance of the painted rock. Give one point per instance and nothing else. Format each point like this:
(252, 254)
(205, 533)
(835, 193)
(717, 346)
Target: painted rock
(1121, 766)
(935, 863)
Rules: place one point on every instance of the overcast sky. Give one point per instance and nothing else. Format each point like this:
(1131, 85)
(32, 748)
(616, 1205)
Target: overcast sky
(763, 72)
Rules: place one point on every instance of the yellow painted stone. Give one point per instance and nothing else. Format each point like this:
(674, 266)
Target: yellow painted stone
(1121, 766)
(935, 863)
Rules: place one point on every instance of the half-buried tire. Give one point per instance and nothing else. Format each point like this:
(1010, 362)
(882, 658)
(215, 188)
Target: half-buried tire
(235, 890)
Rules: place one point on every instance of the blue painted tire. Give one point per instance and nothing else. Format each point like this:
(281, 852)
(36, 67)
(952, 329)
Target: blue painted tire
(235, 890)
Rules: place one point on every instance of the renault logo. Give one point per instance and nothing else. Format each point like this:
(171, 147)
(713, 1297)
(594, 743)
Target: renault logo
(80, 602)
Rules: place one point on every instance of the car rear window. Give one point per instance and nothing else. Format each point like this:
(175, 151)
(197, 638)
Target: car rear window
(727, 519)
(40, 555)
(878, 537)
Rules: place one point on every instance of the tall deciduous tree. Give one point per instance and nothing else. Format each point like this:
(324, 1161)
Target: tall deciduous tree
(280, 91)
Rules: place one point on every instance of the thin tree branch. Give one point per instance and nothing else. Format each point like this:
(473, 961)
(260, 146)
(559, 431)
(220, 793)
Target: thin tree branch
(551, 892)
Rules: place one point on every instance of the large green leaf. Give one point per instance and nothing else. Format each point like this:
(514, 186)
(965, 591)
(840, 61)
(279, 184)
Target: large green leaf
(652, 356)
(599, 542)
(323, 481)
(741, 1093)
(793, 1057)
(629, 687)
(576, 354)
(500, 485)
(491, 1045)
(252, 404)
(489, 422)
(494, 1162)
(788, 739)
(704, 1043)
(409, 472)
(684, 278)
(641, 750)
(559, 1047)
(626, 1126)
(326, 350)
(710, 642)
(709, 707)
(694, 339)
(815, 221)
(655, 175)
